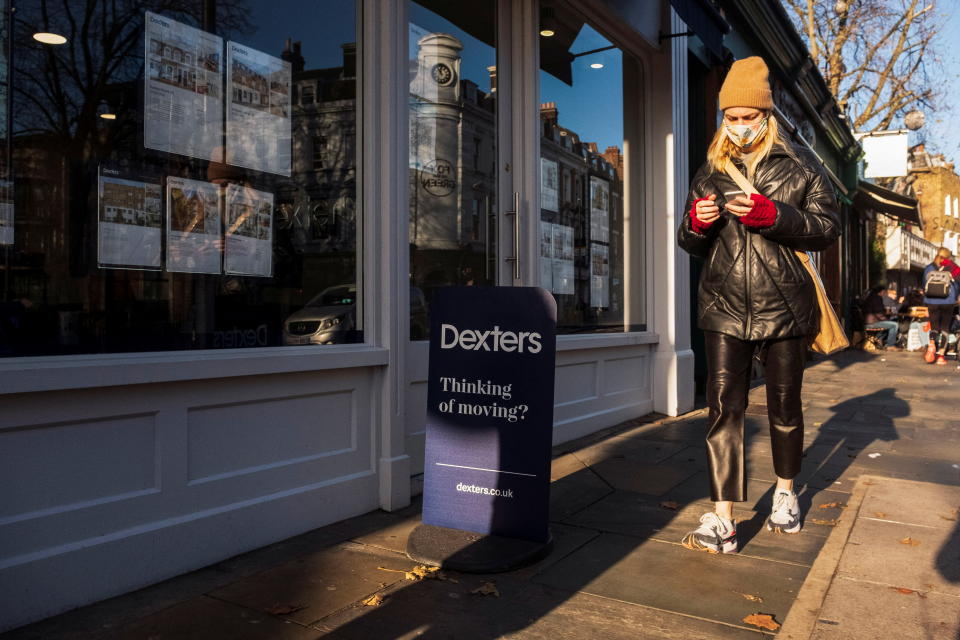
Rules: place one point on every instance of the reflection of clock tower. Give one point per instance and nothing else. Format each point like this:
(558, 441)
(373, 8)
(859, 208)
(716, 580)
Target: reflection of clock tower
(434, 143)
(438, 69)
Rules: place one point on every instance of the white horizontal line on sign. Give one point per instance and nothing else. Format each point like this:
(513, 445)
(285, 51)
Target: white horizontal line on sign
(460, 466)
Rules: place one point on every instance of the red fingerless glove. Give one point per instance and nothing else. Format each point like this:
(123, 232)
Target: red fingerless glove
(696, 224)
(763, 214)
(951, 266)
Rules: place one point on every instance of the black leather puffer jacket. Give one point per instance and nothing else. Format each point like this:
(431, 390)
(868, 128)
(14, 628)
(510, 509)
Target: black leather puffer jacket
(753, 286)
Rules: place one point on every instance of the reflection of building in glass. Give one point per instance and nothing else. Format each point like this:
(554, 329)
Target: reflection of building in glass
(452, 167)
(317, 206)
(591, 202)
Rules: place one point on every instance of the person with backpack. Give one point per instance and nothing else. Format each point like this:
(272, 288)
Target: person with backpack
(755, 295)
(940, 291)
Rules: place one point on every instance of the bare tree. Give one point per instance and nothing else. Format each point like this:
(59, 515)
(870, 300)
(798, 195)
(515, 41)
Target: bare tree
(58, 90)
(878, 57)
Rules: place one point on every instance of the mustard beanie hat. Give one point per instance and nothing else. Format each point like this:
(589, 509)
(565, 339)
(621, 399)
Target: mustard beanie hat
(747, 85)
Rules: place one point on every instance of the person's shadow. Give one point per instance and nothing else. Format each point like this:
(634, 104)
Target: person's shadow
(840, 442)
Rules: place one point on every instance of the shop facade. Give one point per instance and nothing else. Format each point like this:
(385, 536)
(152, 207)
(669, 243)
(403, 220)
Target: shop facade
(223, 226)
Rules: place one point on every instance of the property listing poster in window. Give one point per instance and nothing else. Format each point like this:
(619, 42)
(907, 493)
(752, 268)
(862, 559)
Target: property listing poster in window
(258, 112)
(599, 209)
(183, 103)
(599, 275)
(563, 259)
(193, 226)
(549, 185)
(129, 221)
(546, 255)
(248, 235)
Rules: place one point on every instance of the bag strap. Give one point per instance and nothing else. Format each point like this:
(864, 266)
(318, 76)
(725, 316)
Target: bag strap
(740, 179)
(737, 176)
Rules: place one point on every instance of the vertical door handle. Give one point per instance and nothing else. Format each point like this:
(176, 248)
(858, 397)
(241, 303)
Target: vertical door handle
(515, 258)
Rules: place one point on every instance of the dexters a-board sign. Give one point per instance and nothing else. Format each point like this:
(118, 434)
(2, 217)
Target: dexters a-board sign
(490, 410)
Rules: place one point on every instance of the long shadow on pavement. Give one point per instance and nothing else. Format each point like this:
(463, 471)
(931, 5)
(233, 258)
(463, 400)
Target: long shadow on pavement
(619, 508)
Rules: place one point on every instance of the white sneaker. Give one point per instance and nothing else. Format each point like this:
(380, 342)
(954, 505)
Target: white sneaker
(785, 517)
(714, 535)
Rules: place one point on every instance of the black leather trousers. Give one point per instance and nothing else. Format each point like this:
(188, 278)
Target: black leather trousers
(728, 382)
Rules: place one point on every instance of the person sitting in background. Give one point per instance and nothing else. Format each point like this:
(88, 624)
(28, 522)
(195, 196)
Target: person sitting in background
(890, 300)
(875, 317)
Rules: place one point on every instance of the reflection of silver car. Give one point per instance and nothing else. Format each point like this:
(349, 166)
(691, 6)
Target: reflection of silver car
(329, 317)
(326, 319)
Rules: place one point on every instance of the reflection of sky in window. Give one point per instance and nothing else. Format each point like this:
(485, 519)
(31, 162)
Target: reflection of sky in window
(593, 107)
(321, 28)
(476, 55)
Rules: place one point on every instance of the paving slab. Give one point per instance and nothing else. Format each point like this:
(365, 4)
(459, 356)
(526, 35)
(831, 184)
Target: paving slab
(876, 551)
(898, 502)
(434, 609)
(629, 475)
(566, 540)
(576, 491)
(668, 577)
(633, 515)
(392, 536)
(318, 584)
(634, 449)
(205, 618)
(864, 611)
(564, 465)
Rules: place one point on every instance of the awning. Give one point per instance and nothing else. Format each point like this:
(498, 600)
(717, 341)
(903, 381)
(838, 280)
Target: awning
(891, 203)
(705, 21)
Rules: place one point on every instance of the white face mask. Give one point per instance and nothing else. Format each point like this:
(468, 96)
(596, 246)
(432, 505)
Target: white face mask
(744, 135)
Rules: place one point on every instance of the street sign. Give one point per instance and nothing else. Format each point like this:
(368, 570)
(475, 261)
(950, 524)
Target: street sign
(490, 411)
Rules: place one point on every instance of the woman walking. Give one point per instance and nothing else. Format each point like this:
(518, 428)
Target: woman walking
(940, 291)
(754, 295)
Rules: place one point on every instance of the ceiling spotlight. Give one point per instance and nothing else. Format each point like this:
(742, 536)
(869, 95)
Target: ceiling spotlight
(49, 38)
(108, 116)
(548, 23)
(596, 65)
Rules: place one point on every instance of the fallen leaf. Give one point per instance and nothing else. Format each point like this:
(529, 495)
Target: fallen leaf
(373, 601)
(284, 609)
(879, 514)
(749, 596)
(908, 592)
(419, 572)
(422, 571)
(669, 504)
(910, 541)
(832, 505)
(487, 589)
(827, 523)
(762, 620)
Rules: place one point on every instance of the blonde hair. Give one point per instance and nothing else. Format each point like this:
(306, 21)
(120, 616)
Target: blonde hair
(722, 149)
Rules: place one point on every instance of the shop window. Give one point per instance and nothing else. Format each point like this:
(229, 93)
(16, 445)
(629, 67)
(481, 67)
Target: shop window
(452, 163)
(153, 190)
(307, 93)
(586, 85)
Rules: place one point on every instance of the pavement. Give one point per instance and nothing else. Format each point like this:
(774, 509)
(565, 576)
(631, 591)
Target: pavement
(879, 555)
